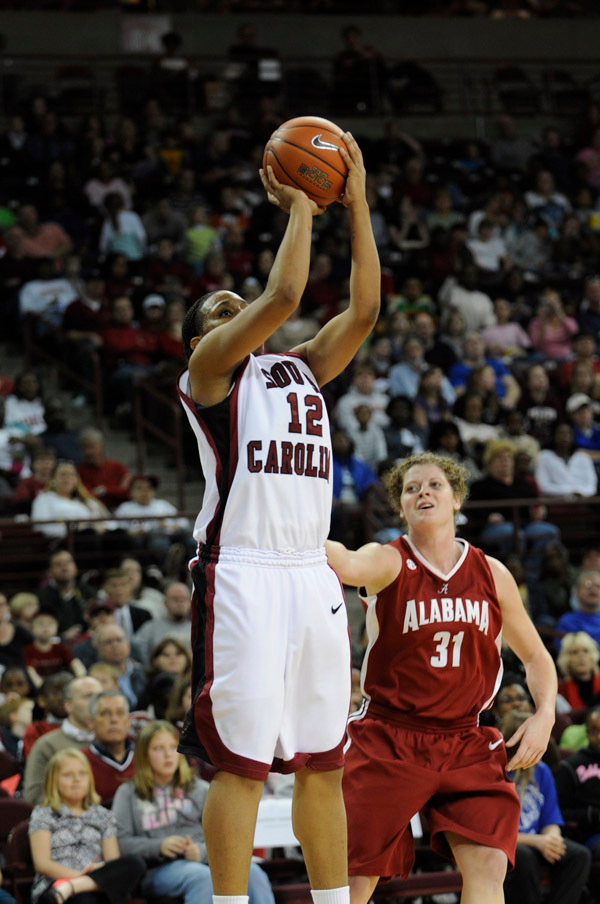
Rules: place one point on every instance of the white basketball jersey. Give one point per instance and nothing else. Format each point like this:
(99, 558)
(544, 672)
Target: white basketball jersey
(265, 452)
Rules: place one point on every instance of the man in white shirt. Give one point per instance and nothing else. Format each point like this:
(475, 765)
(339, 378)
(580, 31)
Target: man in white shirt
(156, 536)
(475, 306)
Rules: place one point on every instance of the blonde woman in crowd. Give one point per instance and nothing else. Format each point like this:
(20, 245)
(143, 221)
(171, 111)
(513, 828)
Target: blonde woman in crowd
(74, 840)
(66, 499)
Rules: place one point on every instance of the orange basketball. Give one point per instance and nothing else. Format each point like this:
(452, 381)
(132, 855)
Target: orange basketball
(304, 153)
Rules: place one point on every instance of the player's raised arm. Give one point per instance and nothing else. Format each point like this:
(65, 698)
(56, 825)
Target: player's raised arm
(373, 566)
(530, 741)
(337, 342)
(243, 327)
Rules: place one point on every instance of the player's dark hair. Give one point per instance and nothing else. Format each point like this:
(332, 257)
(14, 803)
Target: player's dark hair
(193, 323)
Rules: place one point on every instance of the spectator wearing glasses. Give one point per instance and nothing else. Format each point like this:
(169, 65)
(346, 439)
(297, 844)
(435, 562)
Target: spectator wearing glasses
(587, 599)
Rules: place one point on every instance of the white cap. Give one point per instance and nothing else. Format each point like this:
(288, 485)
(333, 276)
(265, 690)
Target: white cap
(577, 401)
(153, 301)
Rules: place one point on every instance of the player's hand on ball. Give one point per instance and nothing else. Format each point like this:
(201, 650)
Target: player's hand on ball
(283, 196)
(356, 178)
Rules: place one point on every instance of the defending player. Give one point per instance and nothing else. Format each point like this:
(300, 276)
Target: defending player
(271, 670)
(436, 611)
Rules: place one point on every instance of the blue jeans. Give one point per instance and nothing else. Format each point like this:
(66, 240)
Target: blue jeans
(191, 881)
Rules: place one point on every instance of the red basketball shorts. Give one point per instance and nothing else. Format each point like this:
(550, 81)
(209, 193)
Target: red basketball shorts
(393, 772)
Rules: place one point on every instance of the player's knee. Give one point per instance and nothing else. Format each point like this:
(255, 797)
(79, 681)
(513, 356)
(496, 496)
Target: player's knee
(485, 864)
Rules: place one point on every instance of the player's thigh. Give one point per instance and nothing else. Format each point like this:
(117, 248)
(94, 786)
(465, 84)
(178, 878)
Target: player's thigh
(318, 661)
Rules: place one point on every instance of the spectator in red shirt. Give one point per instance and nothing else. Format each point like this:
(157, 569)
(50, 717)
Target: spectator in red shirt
(169, 338)
(42, 239)
(166, 274)
(111, 752)
(153, 313)
(128, 354)
(106, 478)
(42, 466)
(46, 655)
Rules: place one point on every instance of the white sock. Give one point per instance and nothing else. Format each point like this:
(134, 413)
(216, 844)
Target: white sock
(331, 895)
(230, 899)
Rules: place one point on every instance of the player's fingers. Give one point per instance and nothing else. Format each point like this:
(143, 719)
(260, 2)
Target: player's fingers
(272, 178)
(353, 147)
(516, 737)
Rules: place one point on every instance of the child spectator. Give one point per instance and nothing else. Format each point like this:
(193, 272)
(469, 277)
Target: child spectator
(15, 717)
(45, 656)
(74, 840)
(23, 608)
(14, 683)
(159, 818)
(12, 637)
(106, 674)
(368, 437)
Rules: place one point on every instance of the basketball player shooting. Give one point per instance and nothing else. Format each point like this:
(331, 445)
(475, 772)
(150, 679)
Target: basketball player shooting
(271, 655)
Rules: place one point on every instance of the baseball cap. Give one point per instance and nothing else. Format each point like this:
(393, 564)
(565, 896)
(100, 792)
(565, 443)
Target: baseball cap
(99, 605)
(153, 301)
(577, 401)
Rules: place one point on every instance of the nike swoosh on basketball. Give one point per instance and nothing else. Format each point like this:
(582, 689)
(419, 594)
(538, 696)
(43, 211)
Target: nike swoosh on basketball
(317, 143)
(336, 608)
(493, 744)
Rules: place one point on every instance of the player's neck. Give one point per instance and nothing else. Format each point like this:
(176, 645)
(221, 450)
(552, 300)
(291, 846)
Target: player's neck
(439, 549)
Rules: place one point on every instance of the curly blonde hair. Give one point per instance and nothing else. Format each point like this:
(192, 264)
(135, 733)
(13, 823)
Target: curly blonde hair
(455, 473)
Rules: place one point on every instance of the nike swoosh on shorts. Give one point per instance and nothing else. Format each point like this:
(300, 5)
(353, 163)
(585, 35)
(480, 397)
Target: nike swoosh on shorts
(493, 744)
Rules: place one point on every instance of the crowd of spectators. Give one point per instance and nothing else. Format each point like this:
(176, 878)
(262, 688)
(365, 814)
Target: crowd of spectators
(489, 332)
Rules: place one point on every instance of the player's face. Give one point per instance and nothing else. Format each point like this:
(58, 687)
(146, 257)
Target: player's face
(221, 308)
(427, 496)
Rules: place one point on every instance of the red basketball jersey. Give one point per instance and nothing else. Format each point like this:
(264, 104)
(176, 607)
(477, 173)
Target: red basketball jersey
(433, 656)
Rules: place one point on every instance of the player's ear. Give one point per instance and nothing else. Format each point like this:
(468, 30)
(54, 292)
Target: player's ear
(194, 342)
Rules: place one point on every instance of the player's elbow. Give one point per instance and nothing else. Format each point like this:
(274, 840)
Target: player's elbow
(287, 296)
(365, 310)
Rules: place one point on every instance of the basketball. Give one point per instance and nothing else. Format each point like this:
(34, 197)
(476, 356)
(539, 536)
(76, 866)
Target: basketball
(304, 153)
